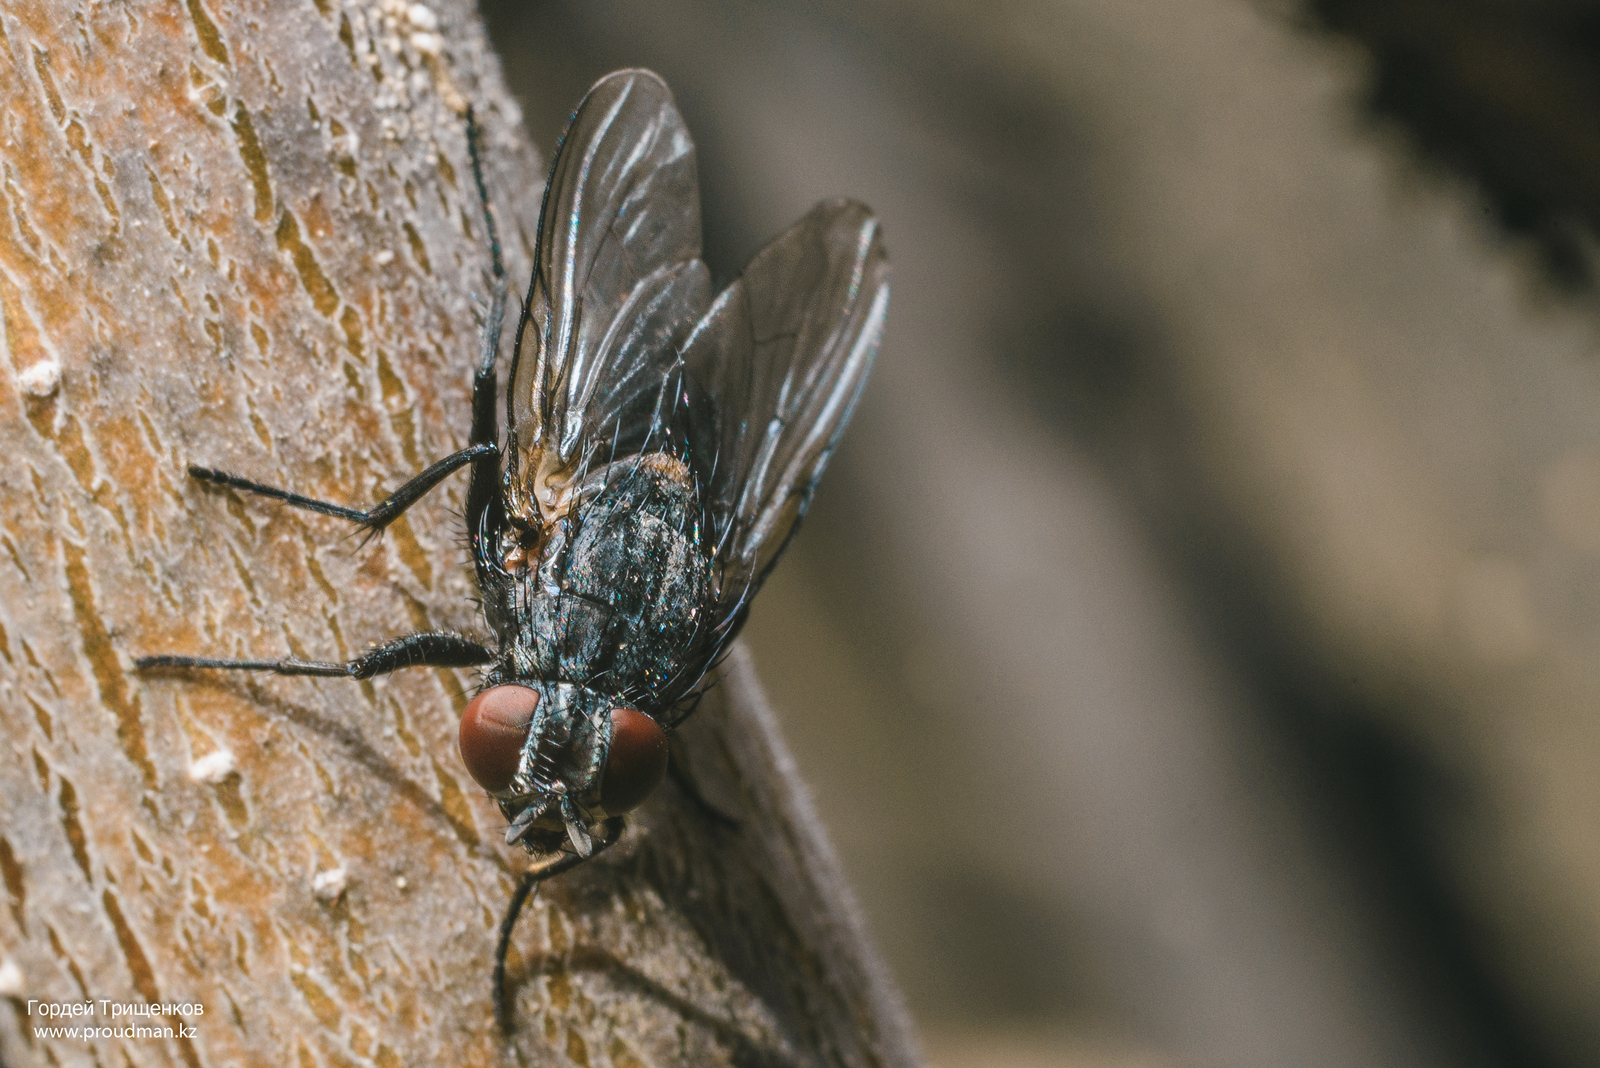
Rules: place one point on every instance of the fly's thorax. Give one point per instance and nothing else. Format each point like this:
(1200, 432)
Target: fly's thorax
(616, 590)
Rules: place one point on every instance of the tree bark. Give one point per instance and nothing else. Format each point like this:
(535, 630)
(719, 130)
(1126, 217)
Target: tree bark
(248, 239)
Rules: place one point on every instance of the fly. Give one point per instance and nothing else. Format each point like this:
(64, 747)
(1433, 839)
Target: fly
(662, 444)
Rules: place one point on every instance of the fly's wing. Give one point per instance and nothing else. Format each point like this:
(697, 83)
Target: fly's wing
(617, 282)
(775, 369)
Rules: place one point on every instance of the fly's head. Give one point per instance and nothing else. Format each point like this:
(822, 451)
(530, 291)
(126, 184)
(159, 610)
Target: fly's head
(560, 759)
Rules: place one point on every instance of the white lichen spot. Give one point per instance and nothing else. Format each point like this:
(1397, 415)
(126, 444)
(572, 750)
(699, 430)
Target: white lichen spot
(10, 979)
(328, 885)
(213, 767)
(42, 379)
(429, 44)
(383, 257)
(399, 882)
(422, 17)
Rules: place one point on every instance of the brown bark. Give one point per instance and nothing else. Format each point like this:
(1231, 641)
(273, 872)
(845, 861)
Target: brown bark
(247, 238)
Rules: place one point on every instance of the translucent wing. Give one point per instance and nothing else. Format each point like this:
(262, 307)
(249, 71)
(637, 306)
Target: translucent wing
(617, 282)
(775, 369)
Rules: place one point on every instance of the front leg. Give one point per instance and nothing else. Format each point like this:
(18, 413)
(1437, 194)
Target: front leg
(482, 453)
(483, 491)
(375, 518)
(431, 649)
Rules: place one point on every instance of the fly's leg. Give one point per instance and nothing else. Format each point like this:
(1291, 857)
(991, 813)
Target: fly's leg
(413, 650)
(374, 519)
(483, 492)
(484, 423)
(482, 452)
(531, 878)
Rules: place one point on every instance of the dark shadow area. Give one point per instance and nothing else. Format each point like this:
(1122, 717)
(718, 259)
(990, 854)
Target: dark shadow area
(587, 959)
(1503, 94)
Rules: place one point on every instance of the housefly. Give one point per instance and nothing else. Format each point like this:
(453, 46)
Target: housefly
(662, 444)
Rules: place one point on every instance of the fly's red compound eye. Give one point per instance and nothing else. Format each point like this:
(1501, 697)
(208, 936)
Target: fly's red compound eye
(637, 760)
(493, 728)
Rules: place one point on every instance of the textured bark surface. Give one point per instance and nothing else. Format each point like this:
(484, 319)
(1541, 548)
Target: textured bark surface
(247, 238)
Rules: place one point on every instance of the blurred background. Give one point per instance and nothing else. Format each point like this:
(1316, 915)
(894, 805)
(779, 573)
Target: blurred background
(1193, 647)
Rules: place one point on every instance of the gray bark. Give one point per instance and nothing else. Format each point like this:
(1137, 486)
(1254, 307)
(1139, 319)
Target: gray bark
(248, 239)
